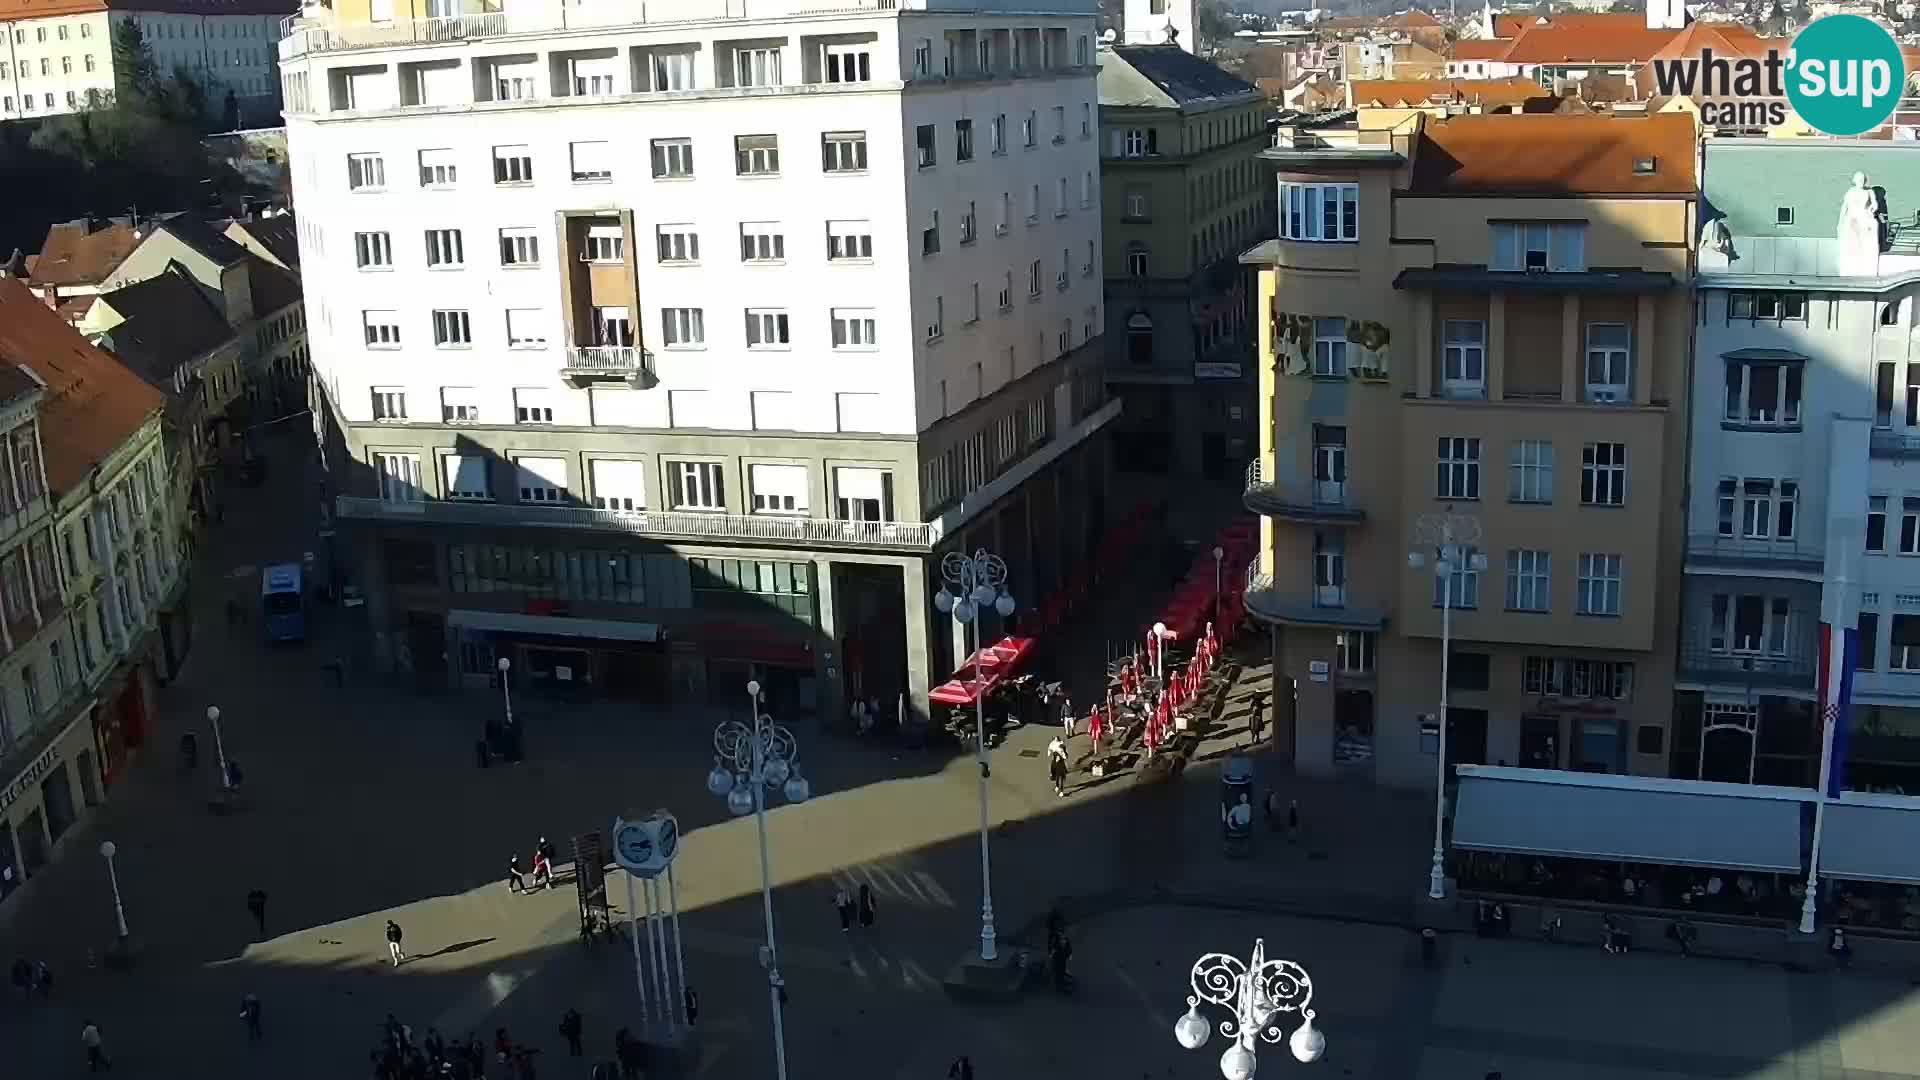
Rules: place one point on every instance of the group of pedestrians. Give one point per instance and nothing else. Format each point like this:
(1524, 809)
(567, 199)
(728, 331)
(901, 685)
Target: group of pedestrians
(543, 856)
(855, 907)
(31, 978)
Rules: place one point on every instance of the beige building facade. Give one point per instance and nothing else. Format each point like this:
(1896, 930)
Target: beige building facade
(1476, 328)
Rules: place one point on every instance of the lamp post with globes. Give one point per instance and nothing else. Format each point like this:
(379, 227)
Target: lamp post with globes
(122, 946)
(219, 748)
(748, 760)
(1451, 537)
(1259, 991)
(977, 581)
(1219, 553)
(506, 692)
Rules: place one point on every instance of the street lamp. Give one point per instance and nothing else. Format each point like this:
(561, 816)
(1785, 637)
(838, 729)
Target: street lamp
(1452, 538)
(1258, 991)
(506, 692)
(1160, 636)
(747, 761)
(978, 581)
(219, 750)
(107, 852)
(1218, 554)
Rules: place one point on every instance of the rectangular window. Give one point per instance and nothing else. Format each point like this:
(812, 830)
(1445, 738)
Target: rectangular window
(381, 329)
(1903, 653)
(1868, 631)
(963, 140)
(1464, 358)
(459, 404)
(674, 71)
(592, 161)
(1767, 306)
(756, 155)
(1530, 471)
(677, 243)
(762, 241)
(532, 405)
(519, 247)
(1876, 523)
(619, 486)
(778, 489)
(969, 224)
(451, 329)
(767, 329)
(445, 249)
(389, 403)
(1909, 526)
(1000, 134)
(672, 159)
(930, 236)
(541, 479)
(853, 328)
(593, 78)
(1327, 213)
(926, 153)
(849, 241)
(1599, 585)
(464, 477)
(373, 250)
(756, 67)
(937, 326)
(1539, 246)
(612, 327)
(604, 244)
(1603, 474)
(1457, 474)
(1764, 394)
(399, 477)
(512, 165)
(846, 63)
(683, 328)
(1462, 581)
(366, 172)
(1357, 651)
(526, 328)
(698, 485)
(437, 169)
(1609, 362)
(861, 494)
(843, 151)
(1330, 347)
(1529, 580)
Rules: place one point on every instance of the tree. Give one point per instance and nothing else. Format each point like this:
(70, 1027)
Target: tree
(230, 112)
(134, 72)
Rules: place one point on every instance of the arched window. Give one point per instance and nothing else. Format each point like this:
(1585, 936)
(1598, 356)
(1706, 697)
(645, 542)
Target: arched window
(1137, 261)
(1140, 338)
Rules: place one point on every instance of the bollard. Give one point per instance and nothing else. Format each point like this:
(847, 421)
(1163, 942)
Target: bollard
(1429, 947)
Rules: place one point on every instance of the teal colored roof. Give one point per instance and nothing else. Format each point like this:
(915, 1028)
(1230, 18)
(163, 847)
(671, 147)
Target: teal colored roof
(1748, 180)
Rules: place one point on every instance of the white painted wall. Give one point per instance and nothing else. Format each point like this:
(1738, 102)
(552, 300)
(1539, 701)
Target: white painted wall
(224, 51)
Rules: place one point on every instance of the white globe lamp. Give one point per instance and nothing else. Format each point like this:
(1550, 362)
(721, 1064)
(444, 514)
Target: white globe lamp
(983, 595)
(776, 772)
(1238, 1063)
(1004, 605)
(943, 602)
(1191, 1030)
(719, 781)
(740, 800)
(797, 789)
(1307, 1043)
(963, 610)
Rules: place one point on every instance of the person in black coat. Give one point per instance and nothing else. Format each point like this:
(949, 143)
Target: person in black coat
(866, 904)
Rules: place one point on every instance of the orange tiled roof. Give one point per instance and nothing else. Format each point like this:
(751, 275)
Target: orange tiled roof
(1512, 26)
(1557, 44)
(1728, 40)
(1550, 154)
(93, 402)
(73, 256)
(1415, 19)
(1481, 49)
(1393, 92)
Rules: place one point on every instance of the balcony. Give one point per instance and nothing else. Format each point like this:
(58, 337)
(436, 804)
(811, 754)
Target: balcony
(588, 364)
(1762, 672)
(918, 537)
(1272, 604)
(1320, 502)
(1894, 444)
(1710, 551)
(302, 36)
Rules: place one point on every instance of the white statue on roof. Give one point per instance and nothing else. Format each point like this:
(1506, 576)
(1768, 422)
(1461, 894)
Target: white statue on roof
(1859, 231)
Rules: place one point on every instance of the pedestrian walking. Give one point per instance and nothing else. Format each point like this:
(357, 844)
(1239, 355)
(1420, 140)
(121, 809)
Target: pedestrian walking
(866, 906)
(630, 1053)
(393, 943)
(570, 1025)
(961, 1069)
(43, 979)
(542, 875)
(1096, 729)
(257, 906)
(843, 904)
(1256, 717)
(515, 881)
(250, 1012)
(1066, 715)
(548, 852)
(692, 1002)
(96, 1047)
(1272, 810)
(1057, 767)
(1293, 820)
(436, 1046)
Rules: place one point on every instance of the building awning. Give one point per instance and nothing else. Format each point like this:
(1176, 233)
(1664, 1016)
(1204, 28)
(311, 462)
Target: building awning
(555, 625)
(1629, 819)
(1479, 279)
(982, 671)
(1872, 838)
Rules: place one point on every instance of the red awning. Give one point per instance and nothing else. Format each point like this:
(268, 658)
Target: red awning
(983, 671)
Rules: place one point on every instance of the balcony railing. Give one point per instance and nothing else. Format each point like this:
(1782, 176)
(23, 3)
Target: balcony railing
(589, 362)
(1301, 500)
(1773, 671)
(1894, 444)
(1741, 552)
(1268, 603)
(679, 525)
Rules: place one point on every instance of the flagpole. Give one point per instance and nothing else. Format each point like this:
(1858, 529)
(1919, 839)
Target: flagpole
(1835, 672)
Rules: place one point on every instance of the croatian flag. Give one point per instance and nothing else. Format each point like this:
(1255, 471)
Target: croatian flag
(1839, 651)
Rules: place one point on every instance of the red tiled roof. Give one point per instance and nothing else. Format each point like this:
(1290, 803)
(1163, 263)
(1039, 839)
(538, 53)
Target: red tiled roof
(1481, 49)
(1512, 26)
(73, 256)
(1553, 154)
(1575, 45)
(1390, 93)
(93, 402)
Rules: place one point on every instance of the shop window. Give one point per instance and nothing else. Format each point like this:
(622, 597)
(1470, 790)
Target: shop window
(1469, 671)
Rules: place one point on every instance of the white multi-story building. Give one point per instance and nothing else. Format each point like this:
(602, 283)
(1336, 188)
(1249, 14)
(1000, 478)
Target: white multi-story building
(681, 341)
(58, 57)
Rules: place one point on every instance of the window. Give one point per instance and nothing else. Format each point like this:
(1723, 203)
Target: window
(973, 303)
(1868, 631)
(1603, 474)
(604, 244)
(1033, 279)
(1135, 205)
(526, 328)
(1598, 585)
(861, 494)
(592, 161)
(389, 403)
(1059, 124)
(514, 82)
(937, 326)
(366, 172)
(1327, 213)
(1330, 347)
(1461, 582)
(512, 165)
(1609, 360)
(1904, 651)
(451, 330)
(963, 140)
(1138, 142)
(519, 247)
(592, 78)
(437, 169)
(1529, 580)
(1764, 394)
(464, 478)
(1033, 205)
(697, 485)
(612, 327)
(619, 486)
(1060, 197)
(459, 405)
(1030, 130)
(1006, 291)
(674, 71)
(1530, 471)
(1329, 570)
(381, 329)
(1357, 651)
(676, 243)
(1539, 246)
(849, 240)
(925, 153)
(373, 250)
(399, 478)
(1457, 474)
(853, 328)
(541, 479)
(930, 236)
(1139, 260)
(1000, 134)
(1767, 306)
(846, 63)
(778, 489)
(1561, 677)
(532, 405)
(756, 155)
(969, 224)
(922, 58)
(445, 250)
(843, 151)
(1464, 358)
(672, 159)
(766, 329)
(683, 328)
(756, 67)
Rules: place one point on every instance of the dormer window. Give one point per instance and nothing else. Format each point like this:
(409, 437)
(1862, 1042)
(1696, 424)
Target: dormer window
(1539, 246)
(1645, 166)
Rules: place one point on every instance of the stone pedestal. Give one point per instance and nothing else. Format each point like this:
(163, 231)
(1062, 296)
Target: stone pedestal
(996, 981)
